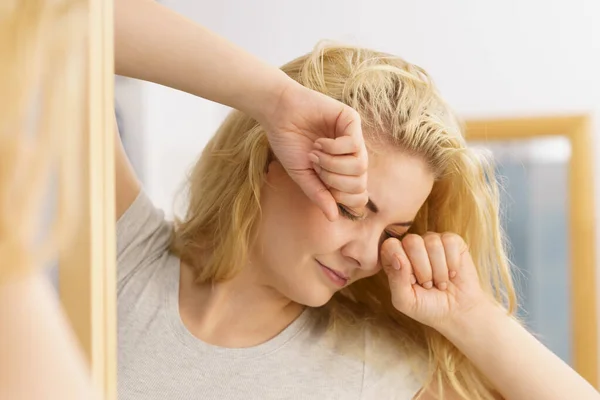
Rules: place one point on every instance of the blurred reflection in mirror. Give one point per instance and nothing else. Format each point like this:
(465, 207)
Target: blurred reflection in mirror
(534, 175)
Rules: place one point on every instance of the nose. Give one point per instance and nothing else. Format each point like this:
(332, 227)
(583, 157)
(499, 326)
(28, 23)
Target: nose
(362, 247)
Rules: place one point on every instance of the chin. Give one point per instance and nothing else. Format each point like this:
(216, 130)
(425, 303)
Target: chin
(313, 298)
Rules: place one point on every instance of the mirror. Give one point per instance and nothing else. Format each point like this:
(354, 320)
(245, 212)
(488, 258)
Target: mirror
(533, 174)
(547, 165)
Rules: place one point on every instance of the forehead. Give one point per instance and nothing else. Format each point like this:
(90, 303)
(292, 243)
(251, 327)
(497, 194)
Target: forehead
(398, 183)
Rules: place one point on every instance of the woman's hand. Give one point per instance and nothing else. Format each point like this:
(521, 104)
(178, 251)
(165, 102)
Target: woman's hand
(319, 142)
(433, 279)
(153, 44)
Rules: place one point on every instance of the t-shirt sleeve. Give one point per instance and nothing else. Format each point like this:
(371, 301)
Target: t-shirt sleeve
(391, 373)
(143, 235)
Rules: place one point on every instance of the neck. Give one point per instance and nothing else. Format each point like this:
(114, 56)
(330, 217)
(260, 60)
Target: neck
(242, 312)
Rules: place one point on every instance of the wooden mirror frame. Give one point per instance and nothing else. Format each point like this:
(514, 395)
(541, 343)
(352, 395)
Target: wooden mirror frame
(577, 129)
(87, 272)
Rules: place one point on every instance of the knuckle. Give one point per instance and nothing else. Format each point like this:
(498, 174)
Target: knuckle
(357, 188)
(450, 239)
(338, 195)
(351, 143)
(412, 241)
(362, 184)
(391, 245)
(363, 165)
(432, 240)
(386, 249)
(363, 198)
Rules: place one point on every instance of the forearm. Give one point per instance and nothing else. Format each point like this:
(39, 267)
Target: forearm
(40, 357)
(518, 365)
(158, 45)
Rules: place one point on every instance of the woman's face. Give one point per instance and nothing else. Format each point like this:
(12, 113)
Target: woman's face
(305, 257)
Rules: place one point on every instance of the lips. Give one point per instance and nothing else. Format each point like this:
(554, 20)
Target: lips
(339, 274)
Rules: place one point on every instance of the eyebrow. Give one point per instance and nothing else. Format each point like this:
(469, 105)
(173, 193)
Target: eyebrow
(373, 207)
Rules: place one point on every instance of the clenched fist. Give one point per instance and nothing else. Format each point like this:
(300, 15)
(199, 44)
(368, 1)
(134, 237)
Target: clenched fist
(319, 142)
(432, 278)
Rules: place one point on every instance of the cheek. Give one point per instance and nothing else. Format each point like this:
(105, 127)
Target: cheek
(291, 223)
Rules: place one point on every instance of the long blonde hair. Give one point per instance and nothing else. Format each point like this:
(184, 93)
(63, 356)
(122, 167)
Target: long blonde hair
(399, 106)
(42, 47)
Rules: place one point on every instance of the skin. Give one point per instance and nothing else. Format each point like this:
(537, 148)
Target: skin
(318, 137)
(149, 36)
(283, 274)
(293, 234)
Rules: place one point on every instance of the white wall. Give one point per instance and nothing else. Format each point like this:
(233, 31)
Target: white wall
(489, 58)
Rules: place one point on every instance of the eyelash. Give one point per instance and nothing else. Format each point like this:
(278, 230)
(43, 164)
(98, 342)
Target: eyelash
(388, 235)
(344, 212)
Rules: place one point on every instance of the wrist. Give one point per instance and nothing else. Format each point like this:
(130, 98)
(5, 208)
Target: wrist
(263, 105)
(474, 321)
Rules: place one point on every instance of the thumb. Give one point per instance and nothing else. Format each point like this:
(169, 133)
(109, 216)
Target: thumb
(348, 123)
(316, 191)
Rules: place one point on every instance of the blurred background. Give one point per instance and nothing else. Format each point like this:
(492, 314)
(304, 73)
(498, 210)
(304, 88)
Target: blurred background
(490, 60)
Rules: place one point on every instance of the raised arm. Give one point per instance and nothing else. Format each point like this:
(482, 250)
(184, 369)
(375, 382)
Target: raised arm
(153, 43)
(517, 365)
(40, 354)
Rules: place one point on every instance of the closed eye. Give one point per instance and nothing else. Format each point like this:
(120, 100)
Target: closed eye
(352, 216)
(388, 234)
(346, 213)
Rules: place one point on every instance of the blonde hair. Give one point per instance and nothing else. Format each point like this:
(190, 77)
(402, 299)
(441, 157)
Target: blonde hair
(41, 88)
(399, 106)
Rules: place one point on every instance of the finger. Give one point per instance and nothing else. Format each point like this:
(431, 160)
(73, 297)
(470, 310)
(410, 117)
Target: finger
(391, 247)
(388, 249)
(437, 259)
(343, 183)
(317, 192)
(341, 164)
(459, 261)
(417, 254)
(348, 123)
(339, 146)
(399, 271)
(354, 201)
(452, 251)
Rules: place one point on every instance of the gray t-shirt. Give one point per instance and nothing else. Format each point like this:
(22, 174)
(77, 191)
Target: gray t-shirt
(159, 359)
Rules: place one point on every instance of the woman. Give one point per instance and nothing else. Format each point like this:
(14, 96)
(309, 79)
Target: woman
(41, 46)
(256, 294)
